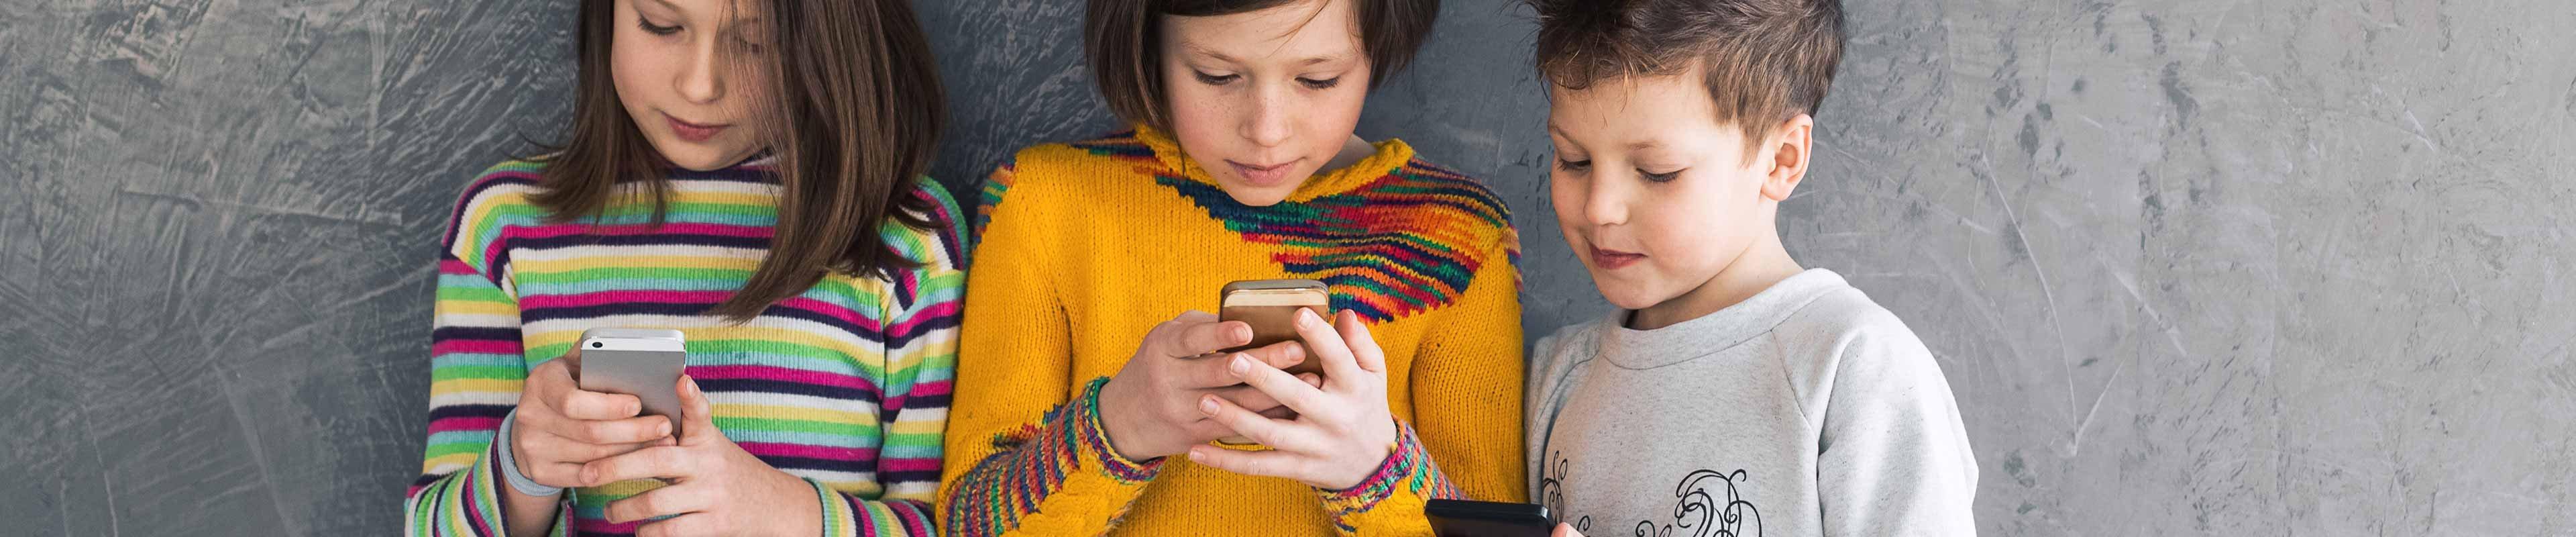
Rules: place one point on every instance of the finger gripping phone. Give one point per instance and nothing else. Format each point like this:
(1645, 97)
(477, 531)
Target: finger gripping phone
(1463, 518)
(1270, 306)
(642, 362)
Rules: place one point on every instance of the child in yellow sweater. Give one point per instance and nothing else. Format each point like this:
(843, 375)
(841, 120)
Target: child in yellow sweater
(1087, 391)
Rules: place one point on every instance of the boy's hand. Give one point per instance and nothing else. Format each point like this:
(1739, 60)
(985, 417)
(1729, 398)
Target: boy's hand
(1342, 431)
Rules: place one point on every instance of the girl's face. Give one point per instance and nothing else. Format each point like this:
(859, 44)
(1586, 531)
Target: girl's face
(690, 72)
(1263, 99)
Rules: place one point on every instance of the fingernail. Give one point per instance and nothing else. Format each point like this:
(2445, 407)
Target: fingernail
(588, 476)
(662, 430)
(1208, 404)
(1196, 457)
(1307, 317)
(1242, 364)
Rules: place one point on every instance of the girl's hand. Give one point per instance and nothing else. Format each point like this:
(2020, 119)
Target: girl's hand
(559, 427)
(716, 487)
(1342, 431)
(1150, 409)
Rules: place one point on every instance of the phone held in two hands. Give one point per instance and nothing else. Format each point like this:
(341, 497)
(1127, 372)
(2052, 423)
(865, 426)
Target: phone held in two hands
(1270, 307)
(642, 362)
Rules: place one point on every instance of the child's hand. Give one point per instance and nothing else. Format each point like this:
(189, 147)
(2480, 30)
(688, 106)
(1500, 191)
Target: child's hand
(559, 427)
(1342, 431)
(716, 487)
(1150, 409)
(1565, 530)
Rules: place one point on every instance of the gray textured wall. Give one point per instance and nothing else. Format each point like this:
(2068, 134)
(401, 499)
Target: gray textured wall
(2192, 266)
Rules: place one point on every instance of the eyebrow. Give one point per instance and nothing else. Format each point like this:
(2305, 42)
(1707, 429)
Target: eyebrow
(738, 19)
(1219, 56)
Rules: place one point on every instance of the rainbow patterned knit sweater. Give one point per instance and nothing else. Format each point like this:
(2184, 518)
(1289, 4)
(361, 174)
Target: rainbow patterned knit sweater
(846, 385)
(1086, 246)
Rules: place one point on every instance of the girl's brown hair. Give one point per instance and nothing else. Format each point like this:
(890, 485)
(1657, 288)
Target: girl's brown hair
(855, 115)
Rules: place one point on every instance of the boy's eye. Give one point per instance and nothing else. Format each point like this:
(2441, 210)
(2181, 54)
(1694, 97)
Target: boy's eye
(1573, 165)
(1215, 80)
(651, 28)
(1665, 177)
(1320, 84)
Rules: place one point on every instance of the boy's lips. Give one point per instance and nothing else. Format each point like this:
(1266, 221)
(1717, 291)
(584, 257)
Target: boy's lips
(1607, 259)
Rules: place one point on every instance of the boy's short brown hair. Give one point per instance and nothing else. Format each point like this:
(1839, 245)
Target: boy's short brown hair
(1764, 61)
(1123, 44)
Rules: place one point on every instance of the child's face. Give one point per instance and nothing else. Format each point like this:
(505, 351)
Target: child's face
(689, 72)
(1264, 99)
(1652, 193)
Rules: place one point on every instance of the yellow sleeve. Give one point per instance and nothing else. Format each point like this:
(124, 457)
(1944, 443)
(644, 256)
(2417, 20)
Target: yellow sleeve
(1467, 384)
(1465, 438)
(1025, 456)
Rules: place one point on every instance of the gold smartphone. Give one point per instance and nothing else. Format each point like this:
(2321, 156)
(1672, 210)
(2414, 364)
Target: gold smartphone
(1270, 306)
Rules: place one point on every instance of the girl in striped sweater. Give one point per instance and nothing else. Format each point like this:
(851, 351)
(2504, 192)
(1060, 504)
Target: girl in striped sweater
(746, 172)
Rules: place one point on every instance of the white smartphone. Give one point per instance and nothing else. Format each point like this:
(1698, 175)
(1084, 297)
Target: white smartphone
(641, 362)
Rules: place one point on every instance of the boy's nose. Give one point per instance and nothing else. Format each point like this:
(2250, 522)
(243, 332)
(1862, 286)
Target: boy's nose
(1606, 204)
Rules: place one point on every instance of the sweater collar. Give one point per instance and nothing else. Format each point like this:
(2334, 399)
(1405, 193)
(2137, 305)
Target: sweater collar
(1716, 332)
(1391, 155)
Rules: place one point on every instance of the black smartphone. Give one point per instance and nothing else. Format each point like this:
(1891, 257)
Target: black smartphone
(1463, 518)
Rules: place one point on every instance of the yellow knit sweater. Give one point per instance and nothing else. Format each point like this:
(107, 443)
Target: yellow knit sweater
(1086, 246)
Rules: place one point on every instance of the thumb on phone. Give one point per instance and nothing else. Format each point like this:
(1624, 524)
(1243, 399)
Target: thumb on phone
(696, 414)
(1565, 530)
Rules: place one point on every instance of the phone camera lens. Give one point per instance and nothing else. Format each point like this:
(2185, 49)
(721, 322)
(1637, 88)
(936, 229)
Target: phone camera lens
(596, 344)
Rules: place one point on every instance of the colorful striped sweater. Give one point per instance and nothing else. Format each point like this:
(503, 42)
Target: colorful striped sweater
(846, 385)
(1083, 247)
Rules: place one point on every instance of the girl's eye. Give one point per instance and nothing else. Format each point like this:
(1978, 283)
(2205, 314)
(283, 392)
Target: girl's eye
(650, 28)
(1573, 165)
(1320, 84)
(1215, 80)
(1665, 177)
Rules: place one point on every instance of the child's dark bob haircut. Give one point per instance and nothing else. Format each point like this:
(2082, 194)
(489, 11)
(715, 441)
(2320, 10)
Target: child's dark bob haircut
(1763, 61)
(1121, 43)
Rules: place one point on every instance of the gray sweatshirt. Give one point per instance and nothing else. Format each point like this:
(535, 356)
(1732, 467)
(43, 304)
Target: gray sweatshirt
(1805, 410)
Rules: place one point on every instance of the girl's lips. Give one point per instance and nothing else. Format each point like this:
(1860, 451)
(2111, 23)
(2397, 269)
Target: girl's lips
(1614, 259)
(1262, 176)
(693, 132)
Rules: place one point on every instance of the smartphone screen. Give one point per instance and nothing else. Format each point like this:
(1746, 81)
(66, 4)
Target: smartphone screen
(1463, 518)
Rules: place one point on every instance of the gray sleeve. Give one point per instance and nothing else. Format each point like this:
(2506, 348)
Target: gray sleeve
(1894, 455)
(1556, 364)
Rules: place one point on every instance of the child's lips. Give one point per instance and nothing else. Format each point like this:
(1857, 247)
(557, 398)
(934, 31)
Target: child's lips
(1262, 176)
(1608, 259)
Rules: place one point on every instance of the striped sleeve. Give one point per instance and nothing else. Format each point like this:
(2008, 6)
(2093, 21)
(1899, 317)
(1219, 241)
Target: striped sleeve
(476, 367)
(921, 363)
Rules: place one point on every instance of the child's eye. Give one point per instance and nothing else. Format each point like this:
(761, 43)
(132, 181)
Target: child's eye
(1320, 84)
(1573, 165)
(1665, 177)
(1215, 80)
(650, 28)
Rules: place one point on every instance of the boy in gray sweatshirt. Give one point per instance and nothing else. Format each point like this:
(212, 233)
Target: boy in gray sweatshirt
(1734, 393)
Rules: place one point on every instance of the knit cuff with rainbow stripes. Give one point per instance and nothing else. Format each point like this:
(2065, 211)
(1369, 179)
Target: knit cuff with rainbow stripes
(1407, 468)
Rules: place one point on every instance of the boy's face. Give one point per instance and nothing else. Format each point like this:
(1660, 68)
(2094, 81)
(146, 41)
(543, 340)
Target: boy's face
(1656, 196)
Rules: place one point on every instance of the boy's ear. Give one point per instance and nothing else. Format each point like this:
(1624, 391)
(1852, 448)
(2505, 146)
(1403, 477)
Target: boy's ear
(1792, 149)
